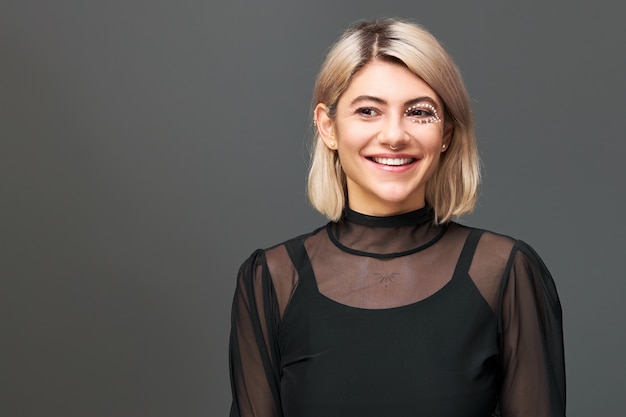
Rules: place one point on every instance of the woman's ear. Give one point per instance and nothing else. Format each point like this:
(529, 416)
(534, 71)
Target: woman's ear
(325, 126)
(448, 132)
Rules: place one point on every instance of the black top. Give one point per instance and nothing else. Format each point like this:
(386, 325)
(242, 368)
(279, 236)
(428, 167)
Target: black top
(396, 316)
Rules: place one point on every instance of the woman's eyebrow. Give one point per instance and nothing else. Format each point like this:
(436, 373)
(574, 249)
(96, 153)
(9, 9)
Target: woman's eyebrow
(421, 99)
(367, 98)
(381, 101)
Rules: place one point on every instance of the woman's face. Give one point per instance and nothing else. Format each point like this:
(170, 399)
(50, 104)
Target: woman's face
(389, 134)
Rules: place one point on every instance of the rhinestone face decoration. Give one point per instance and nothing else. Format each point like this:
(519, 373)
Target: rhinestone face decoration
(423, 113)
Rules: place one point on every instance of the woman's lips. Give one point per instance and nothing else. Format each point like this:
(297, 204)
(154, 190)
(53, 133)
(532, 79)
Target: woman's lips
(394, 161)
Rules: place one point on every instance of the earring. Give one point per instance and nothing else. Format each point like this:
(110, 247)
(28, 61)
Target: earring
(443, 146)
(331, 144)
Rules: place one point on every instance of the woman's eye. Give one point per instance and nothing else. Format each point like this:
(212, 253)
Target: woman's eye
(419, 113)
(367, 112)
(422, 113)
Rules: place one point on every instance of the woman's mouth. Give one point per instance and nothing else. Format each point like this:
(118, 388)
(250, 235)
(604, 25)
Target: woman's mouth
(392, 161)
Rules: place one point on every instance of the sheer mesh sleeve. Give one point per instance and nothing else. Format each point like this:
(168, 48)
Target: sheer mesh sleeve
(254, 368)
(533, 370)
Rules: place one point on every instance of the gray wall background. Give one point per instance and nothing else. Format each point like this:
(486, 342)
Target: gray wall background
(148, 147)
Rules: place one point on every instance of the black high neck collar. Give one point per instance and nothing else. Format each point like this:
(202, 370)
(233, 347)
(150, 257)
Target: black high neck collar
(412, 218)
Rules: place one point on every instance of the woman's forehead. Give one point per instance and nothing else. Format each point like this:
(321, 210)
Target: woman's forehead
(387, 84)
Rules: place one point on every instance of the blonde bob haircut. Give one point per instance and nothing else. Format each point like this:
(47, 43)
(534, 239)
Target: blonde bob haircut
(453, 188)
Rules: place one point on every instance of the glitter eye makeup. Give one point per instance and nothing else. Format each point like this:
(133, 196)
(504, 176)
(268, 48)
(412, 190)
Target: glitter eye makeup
(423, 113)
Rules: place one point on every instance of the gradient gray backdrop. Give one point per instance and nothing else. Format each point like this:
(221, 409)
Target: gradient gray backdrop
(148, 147)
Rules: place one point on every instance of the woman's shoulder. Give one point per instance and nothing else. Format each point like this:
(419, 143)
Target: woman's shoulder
(278, 250)
(276, 260)
(498, 260)
(262, 253)
(296, 239)
(494, 242)
(502, 250)
(273, 268)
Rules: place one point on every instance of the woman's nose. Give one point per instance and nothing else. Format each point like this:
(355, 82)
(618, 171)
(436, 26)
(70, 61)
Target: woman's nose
(393, 133)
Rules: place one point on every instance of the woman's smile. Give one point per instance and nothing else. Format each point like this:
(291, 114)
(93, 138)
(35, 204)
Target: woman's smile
(393, 164)
(394, 161)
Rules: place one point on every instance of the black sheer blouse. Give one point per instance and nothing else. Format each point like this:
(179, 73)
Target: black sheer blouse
(396, 316)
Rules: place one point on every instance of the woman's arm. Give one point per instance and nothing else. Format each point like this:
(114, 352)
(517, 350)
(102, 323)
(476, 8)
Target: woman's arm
(254, 366)
(531, 338)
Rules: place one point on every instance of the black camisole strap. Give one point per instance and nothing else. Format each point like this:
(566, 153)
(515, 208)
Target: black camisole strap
(467, 254)
(300, 259)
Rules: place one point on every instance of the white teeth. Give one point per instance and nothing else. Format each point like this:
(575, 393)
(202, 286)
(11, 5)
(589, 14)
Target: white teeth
(392, 161)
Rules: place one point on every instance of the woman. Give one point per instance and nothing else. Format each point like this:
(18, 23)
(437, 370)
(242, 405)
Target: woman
(392, 308)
